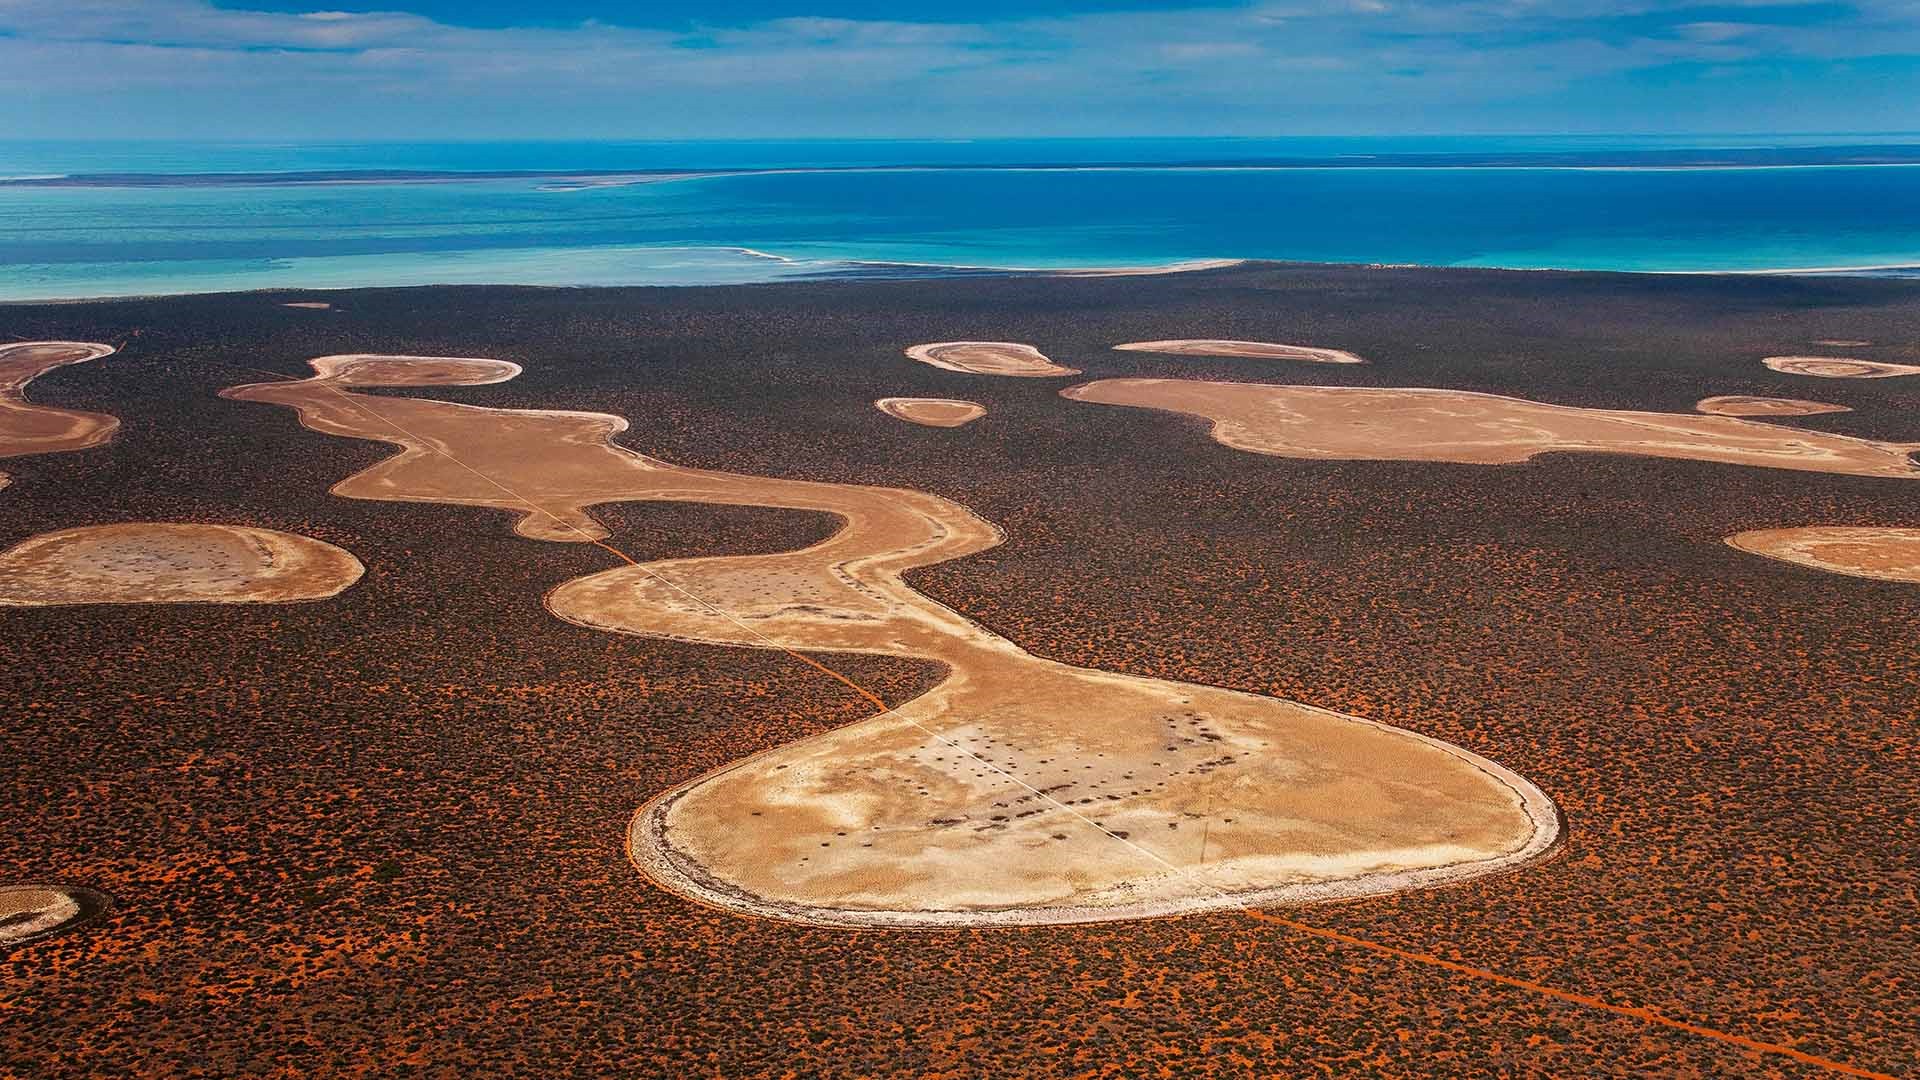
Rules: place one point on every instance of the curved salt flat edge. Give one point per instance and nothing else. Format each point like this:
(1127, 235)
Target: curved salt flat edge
(659, 860)
(13, 395)
(340, 368)
(75, 906)
(901, 408)
(1231, 433)
(1513, 813)
(1788, 545)
(1810, 365)
(1759, 405)
(1042, 366)
(285, 555)
(1233, 347)
(328, 371)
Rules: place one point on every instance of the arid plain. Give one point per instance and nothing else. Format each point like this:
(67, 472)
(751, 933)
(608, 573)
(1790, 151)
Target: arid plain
(389, 824)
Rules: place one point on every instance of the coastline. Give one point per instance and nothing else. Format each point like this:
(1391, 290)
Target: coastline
(850, 270)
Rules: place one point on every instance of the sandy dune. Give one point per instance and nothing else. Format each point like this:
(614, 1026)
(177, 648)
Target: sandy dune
(1018, 790)
(1839, 367)
(152, 562)
(1842, 343)
(1260, 350)
(1859, 551)
(933, 412)
(1369, 424)
(26, 428)
(309, 305)
(1748, 405)
(989, 358)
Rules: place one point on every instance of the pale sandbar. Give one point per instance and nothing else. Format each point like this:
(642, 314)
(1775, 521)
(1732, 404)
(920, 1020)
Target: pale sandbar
(1258, 350)
(1372, 424)
(31, 911)
(1749, 405)
(1839, 367)
(990, 358)
(1868, 551)
(932, 412)
(156, 562)
(26, 428)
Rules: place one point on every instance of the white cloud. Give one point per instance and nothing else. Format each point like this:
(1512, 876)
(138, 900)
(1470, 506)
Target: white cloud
(186, 67)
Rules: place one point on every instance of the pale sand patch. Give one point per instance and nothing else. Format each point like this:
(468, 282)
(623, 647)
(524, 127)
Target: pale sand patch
(1748, 405)
(989, 358)
(26, 428)
(933, 412)
(1259, 350)
(31, 911)
(310, 305)
(154, 562)
(1839, 367)
(1224, 798)
(1885, 554)
(1842, 343)
(1370, 424)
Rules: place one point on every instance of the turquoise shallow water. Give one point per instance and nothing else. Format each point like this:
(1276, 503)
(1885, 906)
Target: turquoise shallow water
(162, 224)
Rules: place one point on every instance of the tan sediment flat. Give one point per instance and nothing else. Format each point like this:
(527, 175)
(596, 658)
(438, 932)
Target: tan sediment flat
(933, 412)
(158, 562)
(990, 358)
(1870, 551)
(31, 911)
(1839, 367)
(1259, 350)
(310, 305)
(1205, 798)
(1842, 343)
(1370, 424)
(26, 428)
(1748, 405)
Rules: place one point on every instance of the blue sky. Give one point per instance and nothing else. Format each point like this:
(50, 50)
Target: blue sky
(447, 69)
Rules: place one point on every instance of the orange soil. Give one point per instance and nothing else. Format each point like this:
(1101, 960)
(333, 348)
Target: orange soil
(152, 562)
(1839, 367)
(989, 358)
(933, 412)
(40, 429)
(1262, 350)
(1018, 790)
(1368, 424)
(1748, 405)
(1885, 554)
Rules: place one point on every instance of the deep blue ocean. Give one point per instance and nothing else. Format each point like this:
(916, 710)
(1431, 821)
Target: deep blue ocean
(96, 219)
